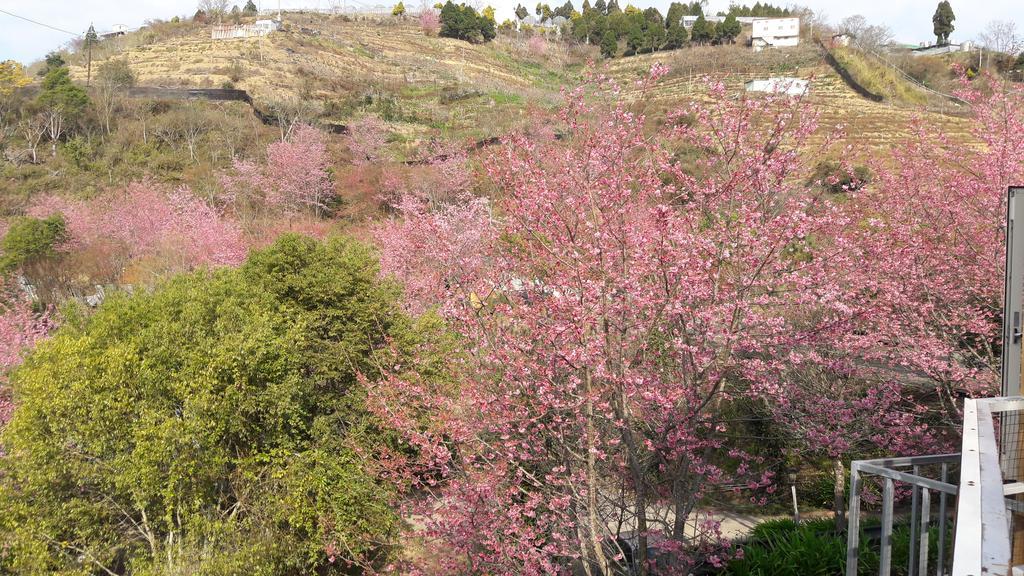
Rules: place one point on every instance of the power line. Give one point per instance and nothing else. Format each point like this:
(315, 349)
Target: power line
(75, 34)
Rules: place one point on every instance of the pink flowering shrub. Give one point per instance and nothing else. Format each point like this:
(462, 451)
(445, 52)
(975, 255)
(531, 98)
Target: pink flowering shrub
(296, 178)
(442, 179)
(20, 329)
(430, 22)
(176, 229)
(538, 46)
(367, 138)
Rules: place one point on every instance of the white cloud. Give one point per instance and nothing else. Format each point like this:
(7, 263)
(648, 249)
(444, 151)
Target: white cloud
(20, 40)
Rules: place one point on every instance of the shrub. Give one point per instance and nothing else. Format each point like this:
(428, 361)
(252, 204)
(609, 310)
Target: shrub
(211, 426)
(30, 240)
(785, 548)
(464, 23)
(837, 177)
(430, 23)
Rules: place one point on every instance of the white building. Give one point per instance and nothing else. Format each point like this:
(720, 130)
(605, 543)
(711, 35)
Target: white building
(783, 85)
(774, 33)
(260, 28)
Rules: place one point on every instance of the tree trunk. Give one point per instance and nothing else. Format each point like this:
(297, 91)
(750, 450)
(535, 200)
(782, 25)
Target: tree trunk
(592, 488)
(839, 493)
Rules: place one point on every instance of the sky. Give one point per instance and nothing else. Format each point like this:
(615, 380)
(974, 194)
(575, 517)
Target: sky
(910, 20)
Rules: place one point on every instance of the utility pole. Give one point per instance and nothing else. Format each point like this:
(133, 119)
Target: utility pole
(90, 39)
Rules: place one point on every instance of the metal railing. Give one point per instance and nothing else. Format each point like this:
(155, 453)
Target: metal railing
(987, 511)
(923, 476)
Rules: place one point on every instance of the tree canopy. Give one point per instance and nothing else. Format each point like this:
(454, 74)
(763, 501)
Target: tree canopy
(942, 22)
(214, 425)
(464, 23)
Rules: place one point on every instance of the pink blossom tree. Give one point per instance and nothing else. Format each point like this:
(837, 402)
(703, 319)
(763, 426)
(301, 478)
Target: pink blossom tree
(430, 22)
(367, 138)
(627, 300)
(147, 222)
(934, 239)
(296, 177)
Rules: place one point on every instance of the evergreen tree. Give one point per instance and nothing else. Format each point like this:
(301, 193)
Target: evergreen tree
(566, 10)
(521, 12)
(674, 16)
(728, 30)
(586, 7)
(942, 22)
(634, 39)
(250, 9)
(398, 10)
(613, 7)
(609, 44)
(701, 33)
(601, 7)
(676, 37)
(463, 22)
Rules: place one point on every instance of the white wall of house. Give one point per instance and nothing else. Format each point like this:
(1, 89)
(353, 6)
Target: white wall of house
(775, 33)
(782, 85)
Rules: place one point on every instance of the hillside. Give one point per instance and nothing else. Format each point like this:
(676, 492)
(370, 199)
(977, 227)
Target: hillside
(429, 85)
(871, 126)
(461, 88)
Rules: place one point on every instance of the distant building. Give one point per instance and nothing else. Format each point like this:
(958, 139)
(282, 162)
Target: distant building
(536, 22)
(841, 39)
(925, 50)
(774, 33)
(115, 30)
(260, 28)
(782, 85)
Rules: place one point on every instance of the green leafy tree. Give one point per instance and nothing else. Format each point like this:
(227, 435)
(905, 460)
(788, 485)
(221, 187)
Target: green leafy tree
(565, 10)
(676, 37)
(62, 102)
(398, 10)
(215, 425)
(609, 44)
(521, 12)
(727, 31)
(51, 61)
(29, 241)
(586, 7)
(702, 31)
(462, 22)
(634, 39)
(942, 22)
(674, 16)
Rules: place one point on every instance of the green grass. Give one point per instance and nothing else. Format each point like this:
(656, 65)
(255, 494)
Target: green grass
(506, 98)
(878, 78)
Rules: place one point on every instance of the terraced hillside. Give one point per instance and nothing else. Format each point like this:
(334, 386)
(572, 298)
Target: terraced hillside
(871, 126)
(477, 91)
(436, 82)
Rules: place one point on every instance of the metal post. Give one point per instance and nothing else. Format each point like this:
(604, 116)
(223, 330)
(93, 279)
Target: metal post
(853, 523)
(941, 564)
(885, 563)
(926, 505)
(914, 499)
(1014, 288)
(1011, 365)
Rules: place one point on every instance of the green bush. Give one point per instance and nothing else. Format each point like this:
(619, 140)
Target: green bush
(814, 548)
(214, 425)
(464, 23)
(30, 240)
